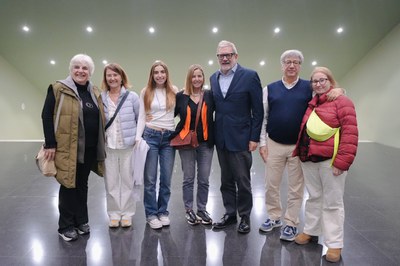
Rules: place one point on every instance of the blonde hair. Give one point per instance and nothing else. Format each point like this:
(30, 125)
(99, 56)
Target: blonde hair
(151, 86)
(327, 72)
(189, 76)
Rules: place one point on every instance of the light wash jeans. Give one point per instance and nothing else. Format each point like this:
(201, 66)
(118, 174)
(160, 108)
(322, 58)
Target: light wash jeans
(201, 155)
(160, 152)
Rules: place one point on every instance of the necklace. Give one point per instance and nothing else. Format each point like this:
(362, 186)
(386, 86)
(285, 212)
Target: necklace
(196, 94)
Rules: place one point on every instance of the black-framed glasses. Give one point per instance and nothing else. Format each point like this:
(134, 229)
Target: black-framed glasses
(321, 81)
(228, 56)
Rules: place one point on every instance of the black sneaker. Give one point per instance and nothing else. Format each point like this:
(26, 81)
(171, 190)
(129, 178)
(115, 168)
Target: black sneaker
(83, 229)
(69, 235)
(204, 217)
(191, 218)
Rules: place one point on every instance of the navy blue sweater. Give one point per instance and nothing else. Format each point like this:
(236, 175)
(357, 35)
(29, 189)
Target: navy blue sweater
(286, 110)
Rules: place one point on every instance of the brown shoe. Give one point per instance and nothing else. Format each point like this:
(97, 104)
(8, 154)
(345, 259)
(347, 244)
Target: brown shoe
(126, 223)
(333, 254)
(113, 223)
(303, 239)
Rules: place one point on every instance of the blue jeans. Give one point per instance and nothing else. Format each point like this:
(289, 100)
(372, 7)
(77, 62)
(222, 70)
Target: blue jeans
(202, 155)
(160, 152)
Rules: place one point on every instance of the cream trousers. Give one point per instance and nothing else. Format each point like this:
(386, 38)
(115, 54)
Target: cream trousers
(279, 157)
(119, 184)
(324, 209)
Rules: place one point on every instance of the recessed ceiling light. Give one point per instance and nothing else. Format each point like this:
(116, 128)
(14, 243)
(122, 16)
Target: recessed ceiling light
(152, 29)
(339, 30)
(262, 62)
(314, 63)
(52, 62)
(105, 62)
(210, 62)
(277, 30)
(26, 28)
(89, 29)
(215, 30)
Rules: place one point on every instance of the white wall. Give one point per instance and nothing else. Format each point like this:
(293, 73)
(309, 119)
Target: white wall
(15, 90)
(374, 86)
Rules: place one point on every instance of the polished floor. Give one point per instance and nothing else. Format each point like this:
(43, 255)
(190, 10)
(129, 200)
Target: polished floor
(28, 224)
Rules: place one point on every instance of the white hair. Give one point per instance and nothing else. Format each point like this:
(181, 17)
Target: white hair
(82, 58)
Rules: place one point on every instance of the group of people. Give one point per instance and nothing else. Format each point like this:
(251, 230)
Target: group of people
(308, 126)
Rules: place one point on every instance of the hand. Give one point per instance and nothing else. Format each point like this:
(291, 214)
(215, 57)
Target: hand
(49, 154)
(137, 142)
(264, 153)
(149, 117)
(334, 93)
(336, 171)
(253, 145)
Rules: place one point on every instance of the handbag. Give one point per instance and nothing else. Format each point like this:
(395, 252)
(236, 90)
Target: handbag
(318, 130)
(46, 167)
(190, 141)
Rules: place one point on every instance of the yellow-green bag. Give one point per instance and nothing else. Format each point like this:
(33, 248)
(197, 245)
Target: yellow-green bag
(318, 130)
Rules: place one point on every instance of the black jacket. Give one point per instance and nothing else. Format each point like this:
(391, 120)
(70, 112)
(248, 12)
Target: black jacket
(182, 101)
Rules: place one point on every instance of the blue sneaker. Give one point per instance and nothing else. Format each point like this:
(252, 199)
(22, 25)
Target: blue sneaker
(289, 233)
(269, 224)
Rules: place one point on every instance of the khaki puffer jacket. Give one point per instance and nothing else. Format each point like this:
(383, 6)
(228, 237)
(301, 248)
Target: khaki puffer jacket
(70, 144)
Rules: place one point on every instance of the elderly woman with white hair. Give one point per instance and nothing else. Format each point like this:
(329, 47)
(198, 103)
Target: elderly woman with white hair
(74, 139)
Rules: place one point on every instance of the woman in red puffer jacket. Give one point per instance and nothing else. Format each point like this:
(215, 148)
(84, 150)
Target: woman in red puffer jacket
(324, 168)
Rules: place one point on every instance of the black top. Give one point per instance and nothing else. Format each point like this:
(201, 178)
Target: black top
(90, 117)
(182, 101)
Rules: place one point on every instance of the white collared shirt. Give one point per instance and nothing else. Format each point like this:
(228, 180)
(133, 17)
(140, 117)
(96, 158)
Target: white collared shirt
(114, 138)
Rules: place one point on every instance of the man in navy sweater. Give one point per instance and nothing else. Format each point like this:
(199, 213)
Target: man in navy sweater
(285, 102)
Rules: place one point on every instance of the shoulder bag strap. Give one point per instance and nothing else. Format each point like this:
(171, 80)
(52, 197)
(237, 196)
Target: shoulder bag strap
(198, 111)
(116, 111)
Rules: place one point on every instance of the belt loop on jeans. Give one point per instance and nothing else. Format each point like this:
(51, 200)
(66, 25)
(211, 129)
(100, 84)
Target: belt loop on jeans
(162, 130)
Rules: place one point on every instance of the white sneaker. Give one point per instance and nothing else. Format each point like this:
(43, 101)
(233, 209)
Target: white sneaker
(164, 220)
(155, 223)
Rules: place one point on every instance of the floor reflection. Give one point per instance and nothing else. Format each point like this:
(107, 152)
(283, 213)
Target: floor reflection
(28, 227)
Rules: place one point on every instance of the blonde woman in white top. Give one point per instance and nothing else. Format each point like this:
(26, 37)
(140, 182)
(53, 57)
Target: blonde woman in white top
(155, 125)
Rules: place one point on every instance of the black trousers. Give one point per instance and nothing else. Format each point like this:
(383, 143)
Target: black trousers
(236, 182)
(72, 202)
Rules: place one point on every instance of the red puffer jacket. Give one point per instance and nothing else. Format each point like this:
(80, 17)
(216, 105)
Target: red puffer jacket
(338, 113)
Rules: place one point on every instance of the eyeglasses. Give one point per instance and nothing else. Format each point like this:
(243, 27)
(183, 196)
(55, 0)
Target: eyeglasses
(228, 56)
(321, 81)
(288, 63)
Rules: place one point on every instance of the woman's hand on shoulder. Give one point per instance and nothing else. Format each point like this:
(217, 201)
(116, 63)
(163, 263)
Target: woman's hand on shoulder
(334, 93)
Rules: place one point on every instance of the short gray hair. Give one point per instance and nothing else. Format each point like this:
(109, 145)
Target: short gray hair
(292, 53)
(225, 44)
(82, 58)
